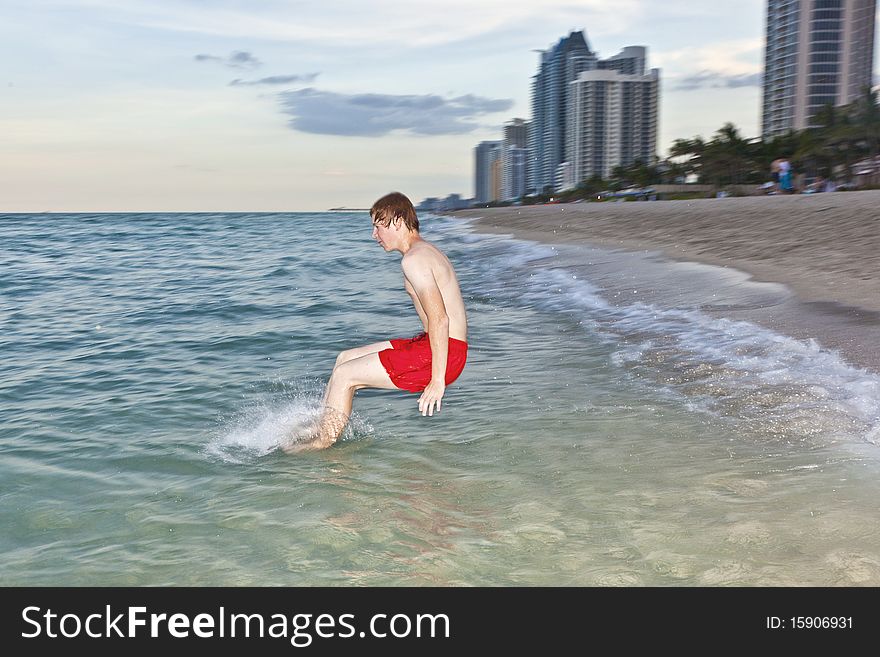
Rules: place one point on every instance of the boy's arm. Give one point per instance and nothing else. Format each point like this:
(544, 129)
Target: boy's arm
(420, 275)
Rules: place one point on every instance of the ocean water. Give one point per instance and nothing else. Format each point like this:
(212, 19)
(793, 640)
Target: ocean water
(611, 428)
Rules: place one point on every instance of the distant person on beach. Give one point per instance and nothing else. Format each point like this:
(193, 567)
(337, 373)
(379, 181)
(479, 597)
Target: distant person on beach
(774, 173)
(785, 174)
(426, 363)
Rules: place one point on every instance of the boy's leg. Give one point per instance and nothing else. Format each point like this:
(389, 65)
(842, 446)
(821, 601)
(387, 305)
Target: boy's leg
(356, 352)
(364, 371)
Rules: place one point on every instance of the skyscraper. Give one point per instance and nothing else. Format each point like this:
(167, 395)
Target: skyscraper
(495, 178)
(486, 187)
(559, 65)
(612, 121)
(513, 159)
(589, 114)
(516, 167)
(817, 52)
(629, 61)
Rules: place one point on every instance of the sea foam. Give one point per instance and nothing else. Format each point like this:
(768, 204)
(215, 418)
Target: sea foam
(771, 385)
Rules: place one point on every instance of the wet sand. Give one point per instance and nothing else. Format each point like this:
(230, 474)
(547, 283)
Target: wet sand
(823, 248)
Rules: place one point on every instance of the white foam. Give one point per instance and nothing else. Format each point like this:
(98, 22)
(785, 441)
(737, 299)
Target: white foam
(261, 429)
(754, 372)
(771, 382)
(263, 426)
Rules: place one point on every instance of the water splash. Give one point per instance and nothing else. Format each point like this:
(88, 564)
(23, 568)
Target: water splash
(274, 420)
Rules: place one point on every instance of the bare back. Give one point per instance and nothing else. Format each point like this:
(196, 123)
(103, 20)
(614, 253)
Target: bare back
(444, 275)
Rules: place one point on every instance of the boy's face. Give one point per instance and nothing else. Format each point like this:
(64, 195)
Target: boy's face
(386, 236)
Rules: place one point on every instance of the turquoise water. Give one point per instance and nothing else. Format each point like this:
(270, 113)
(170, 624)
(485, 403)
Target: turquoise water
(598, 436)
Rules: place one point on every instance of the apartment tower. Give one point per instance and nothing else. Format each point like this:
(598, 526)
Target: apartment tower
(817, 52)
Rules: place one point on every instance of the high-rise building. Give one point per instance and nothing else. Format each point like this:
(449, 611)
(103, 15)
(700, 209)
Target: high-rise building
(629, 61)
(590, 114)
(495, 176)
(516, 166)
(817, 52)
(550, 88)
(514, 159)
(485, 155)
(516, 132)
(564, 177)
(612, 121)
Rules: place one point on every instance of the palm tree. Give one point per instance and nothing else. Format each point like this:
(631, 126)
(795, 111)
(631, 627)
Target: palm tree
(866, 112)
(727, 157)
(693, 150)
(836, 140)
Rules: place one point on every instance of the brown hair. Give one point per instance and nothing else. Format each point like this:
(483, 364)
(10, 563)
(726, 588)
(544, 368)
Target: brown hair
(395, 206)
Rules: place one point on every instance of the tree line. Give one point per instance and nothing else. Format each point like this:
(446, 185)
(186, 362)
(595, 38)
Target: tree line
(840, 137)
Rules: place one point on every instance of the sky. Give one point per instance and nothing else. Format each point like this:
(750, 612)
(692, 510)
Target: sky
(285, 105)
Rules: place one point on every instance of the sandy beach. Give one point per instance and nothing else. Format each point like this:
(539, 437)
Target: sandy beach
(825, 248)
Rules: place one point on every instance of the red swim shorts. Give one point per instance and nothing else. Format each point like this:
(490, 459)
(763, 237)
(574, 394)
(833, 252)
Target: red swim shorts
(408, 362)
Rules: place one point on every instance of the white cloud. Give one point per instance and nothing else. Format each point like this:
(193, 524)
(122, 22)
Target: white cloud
(360, 24)
(716, 80)
(736, 57)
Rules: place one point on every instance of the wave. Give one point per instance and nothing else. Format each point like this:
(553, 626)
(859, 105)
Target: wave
(771, 385)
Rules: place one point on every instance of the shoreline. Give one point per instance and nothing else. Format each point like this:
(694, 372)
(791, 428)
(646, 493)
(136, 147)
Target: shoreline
(823, 248)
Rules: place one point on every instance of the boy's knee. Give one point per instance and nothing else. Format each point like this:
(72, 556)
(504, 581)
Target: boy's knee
(341, 375)
(343, 357)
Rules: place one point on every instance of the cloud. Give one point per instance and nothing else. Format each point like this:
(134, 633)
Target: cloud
(400, 23)
(732, 57)
(374, 115)
(238, 59)
(275, 79)
(715, 80)
(190, 167)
